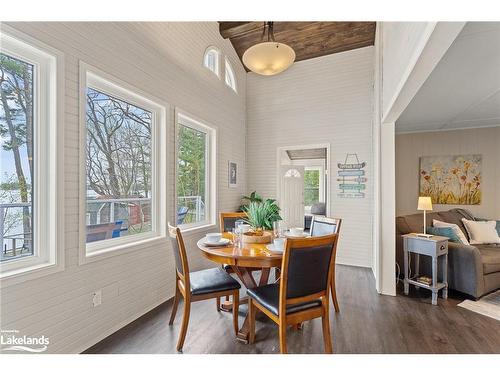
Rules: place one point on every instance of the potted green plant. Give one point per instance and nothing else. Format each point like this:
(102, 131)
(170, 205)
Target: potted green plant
(261, 216)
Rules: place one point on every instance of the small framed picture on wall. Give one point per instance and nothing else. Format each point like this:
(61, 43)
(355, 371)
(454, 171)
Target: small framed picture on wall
(233, 174)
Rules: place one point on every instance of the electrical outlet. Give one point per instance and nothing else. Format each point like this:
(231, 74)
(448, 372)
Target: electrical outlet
(97, 298)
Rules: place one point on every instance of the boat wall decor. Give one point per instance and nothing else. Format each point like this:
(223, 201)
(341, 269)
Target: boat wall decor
(351, 177)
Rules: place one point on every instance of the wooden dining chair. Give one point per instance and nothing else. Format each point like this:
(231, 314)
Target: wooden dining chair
(321, 226)
(302, 293)
(227, 220)
(198, 286)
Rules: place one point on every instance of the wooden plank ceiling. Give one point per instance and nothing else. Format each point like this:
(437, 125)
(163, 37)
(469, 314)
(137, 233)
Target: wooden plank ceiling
(308, 39)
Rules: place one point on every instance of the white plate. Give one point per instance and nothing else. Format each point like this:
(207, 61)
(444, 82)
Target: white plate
(303, 235)
(274, 249)
(222, 242)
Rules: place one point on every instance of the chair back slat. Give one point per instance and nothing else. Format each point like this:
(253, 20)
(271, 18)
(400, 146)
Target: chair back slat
(228, 220)
(307, 267)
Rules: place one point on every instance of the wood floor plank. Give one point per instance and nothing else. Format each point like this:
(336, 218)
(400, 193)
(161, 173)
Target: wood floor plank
(367, 323)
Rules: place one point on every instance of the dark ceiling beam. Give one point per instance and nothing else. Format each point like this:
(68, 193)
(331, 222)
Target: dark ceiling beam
(238, 29)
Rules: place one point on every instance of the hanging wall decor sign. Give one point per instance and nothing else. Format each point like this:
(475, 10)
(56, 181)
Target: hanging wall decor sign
(351, 177)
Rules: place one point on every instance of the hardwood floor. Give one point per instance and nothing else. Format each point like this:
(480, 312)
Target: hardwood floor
(367, 323)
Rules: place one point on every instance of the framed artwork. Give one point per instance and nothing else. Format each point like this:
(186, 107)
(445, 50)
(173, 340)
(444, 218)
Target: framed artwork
(454, 179)
(233, 174)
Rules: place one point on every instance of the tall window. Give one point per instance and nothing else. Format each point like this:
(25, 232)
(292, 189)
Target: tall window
(211, 60)
(28, 157)
(230, 78)
(121, 131)
(311, 186)
(16, 154)
(195, 164)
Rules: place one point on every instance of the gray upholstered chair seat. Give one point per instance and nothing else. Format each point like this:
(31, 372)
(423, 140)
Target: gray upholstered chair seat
(211, 281)
(269, 297)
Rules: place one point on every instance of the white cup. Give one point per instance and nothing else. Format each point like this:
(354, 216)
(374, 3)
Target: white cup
(279, 243)
(214, 237)
(296, 231)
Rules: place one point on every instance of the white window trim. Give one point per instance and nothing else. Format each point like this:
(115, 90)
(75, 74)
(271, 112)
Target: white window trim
(101, 81)
(48, 219)
(211, 170)
(227, 63)
(217, 63)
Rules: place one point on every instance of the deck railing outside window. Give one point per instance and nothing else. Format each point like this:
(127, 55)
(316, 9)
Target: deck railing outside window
(130, 216)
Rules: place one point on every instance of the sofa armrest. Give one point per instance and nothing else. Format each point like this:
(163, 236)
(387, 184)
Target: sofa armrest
(465, 269)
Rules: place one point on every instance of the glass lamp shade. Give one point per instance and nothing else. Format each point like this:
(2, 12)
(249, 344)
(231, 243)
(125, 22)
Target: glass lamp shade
(269, 58)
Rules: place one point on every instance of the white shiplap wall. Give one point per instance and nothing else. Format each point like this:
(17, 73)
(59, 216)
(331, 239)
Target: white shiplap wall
(326, 99)
(165, 60)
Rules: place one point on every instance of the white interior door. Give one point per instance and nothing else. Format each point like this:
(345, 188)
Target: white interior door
(292, 195)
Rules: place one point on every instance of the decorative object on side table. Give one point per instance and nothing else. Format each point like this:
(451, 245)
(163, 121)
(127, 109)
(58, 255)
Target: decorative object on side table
(434, 247)
(424, 204)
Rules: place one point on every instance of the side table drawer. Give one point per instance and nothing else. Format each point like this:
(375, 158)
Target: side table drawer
(415, 245)
(441, 247)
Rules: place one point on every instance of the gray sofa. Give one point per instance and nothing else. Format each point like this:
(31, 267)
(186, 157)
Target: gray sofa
(473, 270)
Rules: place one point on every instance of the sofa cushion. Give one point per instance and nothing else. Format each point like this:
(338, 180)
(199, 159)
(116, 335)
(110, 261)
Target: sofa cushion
(490, 257)
(415, 223)
(444, 232)
(454, 216)
(481, 232)
(458, 231)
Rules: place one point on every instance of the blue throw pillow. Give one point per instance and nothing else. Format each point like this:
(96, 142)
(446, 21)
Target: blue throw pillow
(444, 232)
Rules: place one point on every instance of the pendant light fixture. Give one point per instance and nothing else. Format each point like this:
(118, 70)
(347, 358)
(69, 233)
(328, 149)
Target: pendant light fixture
(268, 57)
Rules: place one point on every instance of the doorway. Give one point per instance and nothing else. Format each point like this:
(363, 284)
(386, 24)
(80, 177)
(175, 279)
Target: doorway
(303, 183)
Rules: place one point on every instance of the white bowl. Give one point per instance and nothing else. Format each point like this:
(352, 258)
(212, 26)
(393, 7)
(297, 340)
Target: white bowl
(214, 237)
(296, 231)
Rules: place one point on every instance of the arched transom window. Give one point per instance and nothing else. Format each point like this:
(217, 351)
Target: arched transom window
(211, 60)
(292, 173)
(230, 78)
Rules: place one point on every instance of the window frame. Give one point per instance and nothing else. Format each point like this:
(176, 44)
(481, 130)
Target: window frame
(218, 64)
(110, 85)
(48, 150)
(210, 172)
(228, 68)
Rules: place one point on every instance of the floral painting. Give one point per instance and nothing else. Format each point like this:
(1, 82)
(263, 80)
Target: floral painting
(451, 179)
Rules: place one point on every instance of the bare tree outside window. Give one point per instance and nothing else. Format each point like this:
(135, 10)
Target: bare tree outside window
(16, 158)
(118, 167)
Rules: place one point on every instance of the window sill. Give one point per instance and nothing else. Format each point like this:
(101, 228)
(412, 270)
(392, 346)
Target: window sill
(20, 275)
(197, 229)
(119, 249)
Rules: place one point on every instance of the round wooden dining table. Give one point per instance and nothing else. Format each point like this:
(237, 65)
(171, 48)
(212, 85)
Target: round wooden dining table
(243, 261)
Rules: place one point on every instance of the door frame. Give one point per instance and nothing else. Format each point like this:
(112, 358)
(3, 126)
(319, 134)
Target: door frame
(327, 169)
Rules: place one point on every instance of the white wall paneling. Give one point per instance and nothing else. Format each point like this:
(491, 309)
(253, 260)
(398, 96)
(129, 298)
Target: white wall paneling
(326, 99)
(166, 61)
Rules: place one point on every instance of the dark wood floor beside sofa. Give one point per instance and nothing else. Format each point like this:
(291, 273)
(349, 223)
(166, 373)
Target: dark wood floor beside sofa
(367, 323)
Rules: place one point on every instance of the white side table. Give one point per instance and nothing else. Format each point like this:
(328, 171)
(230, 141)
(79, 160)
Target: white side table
(434, 247)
